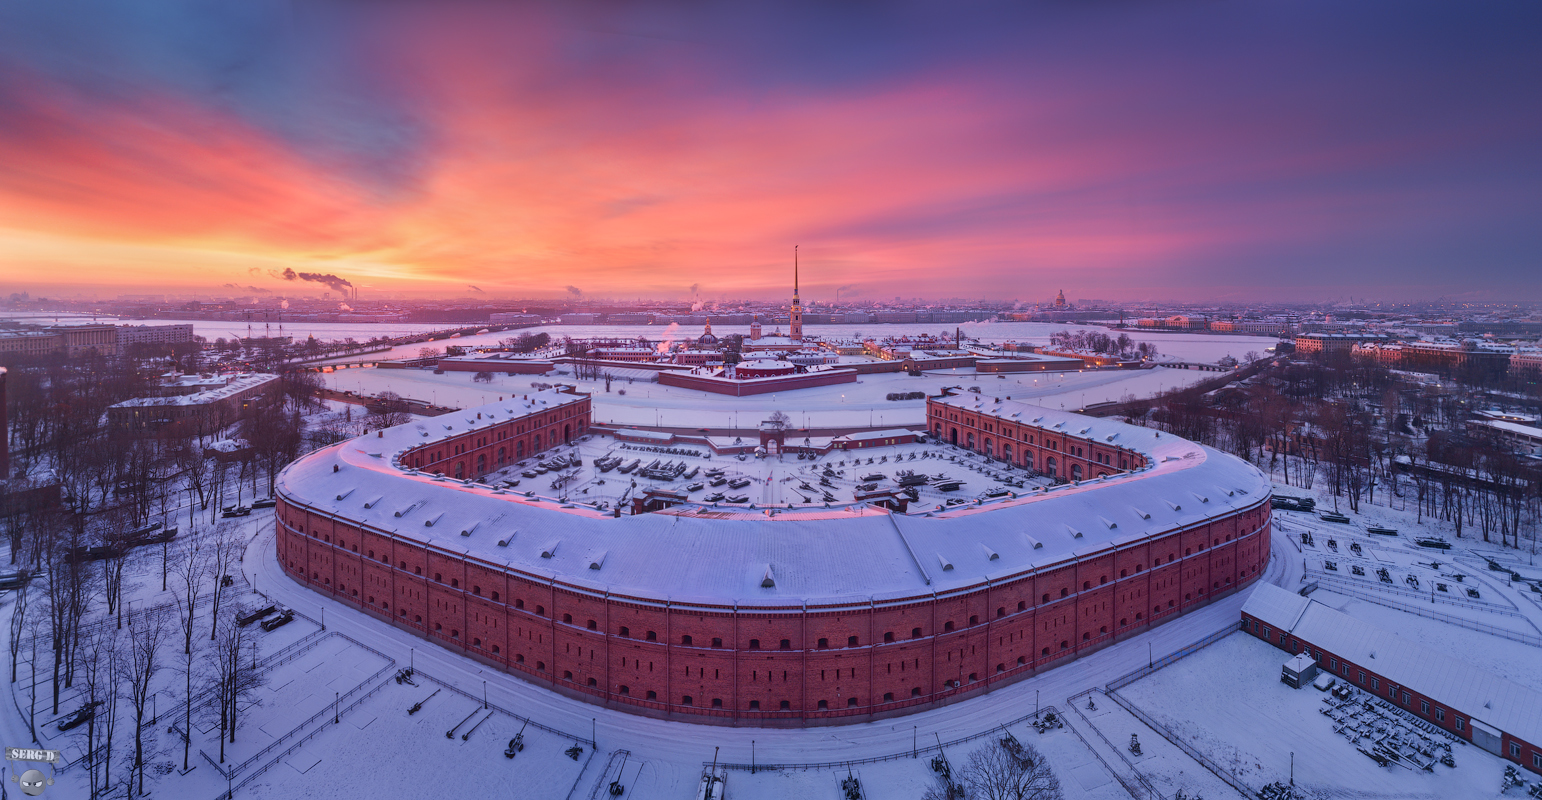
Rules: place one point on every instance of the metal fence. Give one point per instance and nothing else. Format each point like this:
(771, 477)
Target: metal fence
(1430, 597)
(1177, 655)
(914, 752)
(1145, 788)
(1204, 761)
(456, 689)
(1370, 597)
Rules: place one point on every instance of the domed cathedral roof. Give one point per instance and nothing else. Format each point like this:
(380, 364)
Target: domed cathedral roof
(706, 337)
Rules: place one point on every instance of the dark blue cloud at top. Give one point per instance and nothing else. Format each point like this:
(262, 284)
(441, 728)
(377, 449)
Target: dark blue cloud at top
(271, 63)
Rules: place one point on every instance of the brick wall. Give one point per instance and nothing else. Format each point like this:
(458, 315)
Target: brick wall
(741, 663)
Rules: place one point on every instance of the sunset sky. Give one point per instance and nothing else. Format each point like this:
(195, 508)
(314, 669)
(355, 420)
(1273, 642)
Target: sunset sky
(1175, 150)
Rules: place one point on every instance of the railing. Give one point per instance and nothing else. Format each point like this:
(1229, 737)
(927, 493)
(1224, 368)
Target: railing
(1134, 791)
(1205, 762)
(527, 720)
(914, 752)
(236, 769)
(1487, 608)
(1370, 597)
(1173, 657)
(254, 774)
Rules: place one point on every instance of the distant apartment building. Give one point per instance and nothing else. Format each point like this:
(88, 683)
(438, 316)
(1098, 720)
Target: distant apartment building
(218, 403)
(1274, 327)
(1448, 354)
(1527, 358)
(153, 335)
(72, 340)
(512, 318)
(1334, 342)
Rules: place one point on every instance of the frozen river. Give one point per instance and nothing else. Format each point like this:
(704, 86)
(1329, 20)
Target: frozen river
(860, 404)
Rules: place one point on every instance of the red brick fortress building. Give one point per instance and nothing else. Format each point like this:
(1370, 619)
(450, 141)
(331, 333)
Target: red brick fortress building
(785, 615)
(1029, 436)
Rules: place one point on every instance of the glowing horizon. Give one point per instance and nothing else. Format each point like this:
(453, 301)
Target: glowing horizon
(1187, 153)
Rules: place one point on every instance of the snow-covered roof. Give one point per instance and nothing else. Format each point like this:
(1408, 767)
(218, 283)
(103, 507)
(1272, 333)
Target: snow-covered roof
(1483, 695)
(821, 554)
(1275, 607)
(237, 384)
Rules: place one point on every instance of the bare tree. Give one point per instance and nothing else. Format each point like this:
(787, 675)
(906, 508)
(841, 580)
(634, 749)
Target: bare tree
(233, 669)
(224, 552)
(139, 666)
(19, 619)
(98, 670)
(994, 772)
(387, 410)
(191, 569)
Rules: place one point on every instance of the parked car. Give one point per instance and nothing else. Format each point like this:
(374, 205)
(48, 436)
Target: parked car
(266, 502)
(238, 511)
(284, 618)
(252, 616)
(79, 716)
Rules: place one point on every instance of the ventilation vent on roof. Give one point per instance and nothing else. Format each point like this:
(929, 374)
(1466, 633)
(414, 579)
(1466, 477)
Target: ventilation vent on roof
(550, 549)
(1032, 542)
(1075, 534)
(344, 493)
(1110, 523)
(597, 559)
(377, 455)
(946, 564)
(1175, 506)
(372, 503)
(1141, 514)
(990, 555)
(429, 523)
(472, 528)
(768, 580)
(409, 509)
(1036, 419)
(505, 542)
(448, 428)
(1200, 497)
(425, 434)
(1083, 431)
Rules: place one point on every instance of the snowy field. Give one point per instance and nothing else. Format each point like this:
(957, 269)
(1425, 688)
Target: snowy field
(860, 404)
(1201, 347)
(1227, 701)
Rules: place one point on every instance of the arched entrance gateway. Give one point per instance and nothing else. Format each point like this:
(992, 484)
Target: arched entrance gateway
(570, 597)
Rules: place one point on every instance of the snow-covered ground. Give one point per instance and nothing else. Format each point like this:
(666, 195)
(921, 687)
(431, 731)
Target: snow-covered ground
(1227, 701)
(860, 404)
(1200, 347)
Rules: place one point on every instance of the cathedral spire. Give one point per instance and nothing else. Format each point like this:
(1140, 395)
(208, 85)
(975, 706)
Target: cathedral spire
(796, 317)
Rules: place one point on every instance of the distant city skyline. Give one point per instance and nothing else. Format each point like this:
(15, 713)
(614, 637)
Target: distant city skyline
(1181, 153)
